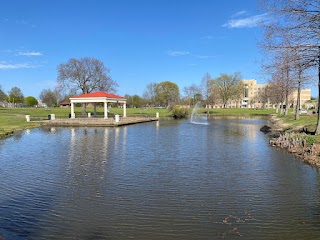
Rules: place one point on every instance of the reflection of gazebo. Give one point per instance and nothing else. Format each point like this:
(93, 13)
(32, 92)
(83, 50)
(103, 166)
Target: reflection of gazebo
(98, 97)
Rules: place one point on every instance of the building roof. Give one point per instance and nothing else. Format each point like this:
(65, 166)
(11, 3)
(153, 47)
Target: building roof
(65, 103)
(97, 95)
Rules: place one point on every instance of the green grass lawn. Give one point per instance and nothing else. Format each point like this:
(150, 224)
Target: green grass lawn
(308, 122)
(14, 119)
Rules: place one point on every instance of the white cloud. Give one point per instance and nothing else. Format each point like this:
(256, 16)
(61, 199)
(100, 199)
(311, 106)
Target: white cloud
(4, 65)
(177, 53)
(30, 54)
(253, 21)
(240, 13)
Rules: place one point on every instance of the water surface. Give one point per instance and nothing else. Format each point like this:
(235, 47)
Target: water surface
(159, 180)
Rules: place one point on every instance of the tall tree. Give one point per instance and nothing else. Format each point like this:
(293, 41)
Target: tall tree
(192, 93)
(86, 74)
(206, 87)
(167, 93)
(48, 97)
(228, 87)
(15, 95)
(299, 21)
(150, 93)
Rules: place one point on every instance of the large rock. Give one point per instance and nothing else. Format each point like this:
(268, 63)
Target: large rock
(265, 129)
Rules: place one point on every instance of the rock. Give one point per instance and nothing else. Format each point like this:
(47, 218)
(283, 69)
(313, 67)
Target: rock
(265, 129)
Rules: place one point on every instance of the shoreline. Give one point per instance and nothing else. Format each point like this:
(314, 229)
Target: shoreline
(294, 141)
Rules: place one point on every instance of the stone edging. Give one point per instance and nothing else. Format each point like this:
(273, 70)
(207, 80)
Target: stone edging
(294, 142)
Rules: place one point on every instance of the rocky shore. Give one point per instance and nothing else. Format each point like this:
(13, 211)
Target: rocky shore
(295, 142)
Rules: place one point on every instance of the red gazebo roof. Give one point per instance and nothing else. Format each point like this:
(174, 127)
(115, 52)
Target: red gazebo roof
(97, 95)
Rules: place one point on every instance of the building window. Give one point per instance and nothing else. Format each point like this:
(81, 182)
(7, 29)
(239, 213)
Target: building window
(246, 92)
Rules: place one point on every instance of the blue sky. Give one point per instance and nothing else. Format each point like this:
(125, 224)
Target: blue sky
(141, 41)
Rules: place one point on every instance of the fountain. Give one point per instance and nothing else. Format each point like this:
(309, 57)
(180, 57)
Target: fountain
(196, 118)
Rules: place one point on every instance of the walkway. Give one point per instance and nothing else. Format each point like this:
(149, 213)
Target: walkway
(96, 122)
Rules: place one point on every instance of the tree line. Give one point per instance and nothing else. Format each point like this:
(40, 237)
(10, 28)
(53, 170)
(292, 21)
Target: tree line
(87, 74)
(291, 43)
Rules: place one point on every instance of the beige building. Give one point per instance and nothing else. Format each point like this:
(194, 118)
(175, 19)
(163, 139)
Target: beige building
(251, 94)
(253, 91)
(305, 96)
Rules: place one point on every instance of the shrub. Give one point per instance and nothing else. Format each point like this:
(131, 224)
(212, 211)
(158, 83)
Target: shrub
(180, 112)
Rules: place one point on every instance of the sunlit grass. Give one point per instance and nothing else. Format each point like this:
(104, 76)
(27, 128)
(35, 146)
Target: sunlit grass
(308, 122)
(14, 119)
(239, 111)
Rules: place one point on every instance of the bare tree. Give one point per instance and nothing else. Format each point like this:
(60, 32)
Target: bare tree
(86, 74)
(48, 97)
(228, 87)
(299, 21)
(150, 93)
(191, 92)
(206, 87)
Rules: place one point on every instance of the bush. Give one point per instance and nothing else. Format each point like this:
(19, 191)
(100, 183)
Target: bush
(179, 112)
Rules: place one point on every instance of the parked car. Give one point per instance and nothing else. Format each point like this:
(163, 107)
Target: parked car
(303, 111)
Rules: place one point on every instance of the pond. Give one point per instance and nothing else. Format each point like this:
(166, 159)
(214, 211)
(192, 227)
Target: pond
(160, 180)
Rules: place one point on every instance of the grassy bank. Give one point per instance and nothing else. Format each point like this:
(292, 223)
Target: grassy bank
(14, 119)
(306, 122)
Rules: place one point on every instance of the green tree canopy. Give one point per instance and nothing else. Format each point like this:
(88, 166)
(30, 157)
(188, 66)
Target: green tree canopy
(15, 95)
(31, 101)
(135, 100)
(167, 93)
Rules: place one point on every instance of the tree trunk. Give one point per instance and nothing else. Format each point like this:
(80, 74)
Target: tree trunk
(281, 108)
(287, 93)
(318, 122)
(296, 117)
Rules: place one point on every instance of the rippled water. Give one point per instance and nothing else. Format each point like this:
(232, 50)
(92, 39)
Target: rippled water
(166, 180)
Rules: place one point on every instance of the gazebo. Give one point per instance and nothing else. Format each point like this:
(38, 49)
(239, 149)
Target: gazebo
(98, 97)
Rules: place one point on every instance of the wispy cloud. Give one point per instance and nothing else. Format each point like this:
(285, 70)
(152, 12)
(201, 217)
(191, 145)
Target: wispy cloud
(177, 53)
(29, 54)
(240, 13)
(4, 65)
(184, 53)
(248, 22)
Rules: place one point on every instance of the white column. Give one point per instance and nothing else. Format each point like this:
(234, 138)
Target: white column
(105, 109)
(124, 110)
(72, 110)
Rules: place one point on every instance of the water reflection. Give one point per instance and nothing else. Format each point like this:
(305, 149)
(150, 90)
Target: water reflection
(167, 180)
